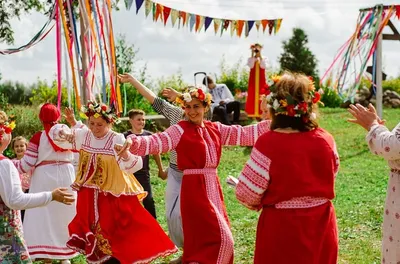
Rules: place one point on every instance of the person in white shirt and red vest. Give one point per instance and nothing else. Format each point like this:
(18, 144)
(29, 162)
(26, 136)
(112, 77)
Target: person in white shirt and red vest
(223, 101)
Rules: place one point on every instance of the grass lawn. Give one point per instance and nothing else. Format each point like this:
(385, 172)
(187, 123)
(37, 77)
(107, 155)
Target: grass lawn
(360, 193)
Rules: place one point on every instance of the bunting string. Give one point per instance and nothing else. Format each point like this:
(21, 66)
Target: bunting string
(197, 22)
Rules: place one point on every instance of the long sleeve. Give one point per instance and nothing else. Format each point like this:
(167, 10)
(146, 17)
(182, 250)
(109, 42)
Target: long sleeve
(384, 143)
(157, 143)
(30, 158)
(337, 159)
(228, 97)
(243, 136)
(79, 132)
(253, 180)
(133, 163)
(173, 113)
(264, 63)
(11, 191)
(250, 62)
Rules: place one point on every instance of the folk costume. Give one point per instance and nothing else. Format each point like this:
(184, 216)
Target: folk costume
(257, 83)
(206, 228)
(386, 144)
(290, 177)
(46, 228)
(12, 244)
(110, 221)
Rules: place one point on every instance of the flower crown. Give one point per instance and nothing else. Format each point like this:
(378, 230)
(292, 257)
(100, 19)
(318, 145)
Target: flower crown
(7, 127)
(99, 109)
(290, 106)
(194, 92)
(252, 46)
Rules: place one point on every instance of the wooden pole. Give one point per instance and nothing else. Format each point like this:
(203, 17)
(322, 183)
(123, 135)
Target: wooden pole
(378, 74)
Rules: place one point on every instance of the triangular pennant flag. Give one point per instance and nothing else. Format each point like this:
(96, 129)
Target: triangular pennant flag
(129, 4)
(233, 27)
(264, 24)
(159, 10)
(246, 29)
(278, 23)
(139, 4)
(225, 25)
(207, 22)
(240, 27)
(398, 11)
(147, 7)
(192, 21)
(198, 18)
(271, 25)
(202, 19)
(222, 26)
(217, 23)
(250, 23)
(183, 15)
(166, 12)
(258, 23)
(174, 16)
(154, 11)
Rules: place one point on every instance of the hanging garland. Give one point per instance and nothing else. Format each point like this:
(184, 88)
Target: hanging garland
(197, 22)
(348, 67)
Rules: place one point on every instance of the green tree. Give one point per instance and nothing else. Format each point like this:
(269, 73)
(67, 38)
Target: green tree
(297, 57)
(126, 55)
(15, 8)
(15, 92)
(42, 93)
(174, 81)
(235, 77)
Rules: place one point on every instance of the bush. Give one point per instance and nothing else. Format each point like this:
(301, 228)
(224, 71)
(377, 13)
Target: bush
(236, 77)
(392, 85)
(330, 97)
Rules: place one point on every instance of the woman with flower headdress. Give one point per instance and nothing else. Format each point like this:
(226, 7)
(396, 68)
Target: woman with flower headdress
(290, 177)
(110, 224)
(12, 244)
(46, 228)
(257, 84)
(198, 144)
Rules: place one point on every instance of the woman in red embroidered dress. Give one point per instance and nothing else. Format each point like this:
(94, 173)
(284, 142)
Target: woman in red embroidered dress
(290, 176)
(257, 83)
(110, 222)
(198, 144)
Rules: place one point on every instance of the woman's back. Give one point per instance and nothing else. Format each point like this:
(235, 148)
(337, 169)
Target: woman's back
(301, 164)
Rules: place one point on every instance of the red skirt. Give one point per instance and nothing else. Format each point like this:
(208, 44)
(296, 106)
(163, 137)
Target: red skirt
(301, 236)
(207, 235)
(120, 227)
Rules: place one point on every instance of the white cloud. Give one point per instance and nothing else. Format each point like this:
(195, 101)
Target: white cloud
(328, 24)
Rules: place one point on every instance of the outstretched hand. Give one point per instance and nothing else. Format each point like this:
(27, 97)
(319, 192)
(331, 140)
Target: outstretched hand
(61, 195)
(365, 117)
(125, 78)
(69, 116)
(123, 150)
(170, 94)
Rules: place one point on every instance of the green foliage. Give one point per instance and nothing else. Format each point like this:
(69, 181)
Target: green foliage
(126, 58)
(391, 84)
(15, 92)
(42, 93)
(235, 77)
(175, 81)
(297, 57)
(14, 8)
(330, 97)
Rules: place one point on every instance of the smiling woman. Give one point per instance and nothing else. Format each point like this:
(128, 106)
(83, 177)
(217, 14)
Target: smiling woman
(206, 227)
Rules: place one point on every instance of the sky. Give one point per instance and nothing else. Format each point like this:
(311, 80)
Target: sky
(168, 50)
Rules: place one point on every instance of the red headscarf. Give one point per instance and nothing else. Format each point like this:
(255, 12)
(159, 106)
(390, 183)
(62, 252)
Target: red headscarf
(50, 115)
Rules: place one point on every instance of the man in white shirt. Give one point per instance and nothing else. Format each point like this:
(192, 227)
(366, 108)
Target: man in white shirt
(223, 101)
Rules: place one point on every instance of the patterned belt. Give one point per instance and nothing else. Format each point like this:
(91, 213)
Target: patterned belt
(212, 171)
(52, 162)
